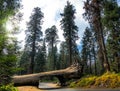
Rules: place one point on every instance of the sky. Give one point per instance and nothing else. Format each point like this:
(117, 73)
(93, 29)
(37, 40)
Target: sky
(52, 10)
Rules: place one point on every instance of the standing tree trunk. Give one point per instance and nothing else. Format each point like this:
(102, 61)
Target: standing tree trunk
(70, 52)
(95, 63)
(69, 28)
(33, 36)
(53, 59)
(90, 64)
(93, 13)
(102, 45)
(31, 67)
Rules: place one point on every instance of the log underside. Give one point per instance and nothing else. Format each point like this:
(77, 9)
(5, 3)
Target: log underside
(33, 79)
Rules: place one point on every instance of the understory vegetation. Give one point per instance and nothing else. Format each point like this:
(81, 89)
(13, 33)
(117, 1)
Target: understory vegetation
(8, 88)
(107, 80)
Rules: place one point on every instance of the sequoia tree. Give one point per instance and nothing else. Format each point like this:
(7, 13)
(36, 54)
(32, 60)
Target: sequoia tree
(111, 22)
(93, 13)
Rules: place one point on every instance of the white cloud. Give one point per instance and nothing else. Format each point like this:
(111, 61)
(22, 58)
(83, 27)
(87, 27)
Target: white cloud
(51, 10)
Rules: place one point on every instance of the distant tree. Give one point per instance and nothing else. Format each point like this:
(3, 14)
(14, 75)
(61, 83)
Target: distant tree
(24, 62)
(51, 38)
(86, 50)
(40, 60)
(34, 35)
(94, 50)
(63, 56)
(52, 59)
(70, 29)
(49, 61)
(93, 9)
(88, 53)
(55, 57)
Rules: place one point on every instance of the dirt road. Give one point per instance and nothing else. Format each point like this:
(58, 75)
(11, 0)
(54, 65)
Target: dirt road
(28, 88)
(42, 85)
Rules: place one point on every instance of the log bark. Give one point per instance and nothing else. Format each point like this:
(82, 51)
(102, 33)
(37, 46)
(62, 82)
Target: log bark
(33, 79)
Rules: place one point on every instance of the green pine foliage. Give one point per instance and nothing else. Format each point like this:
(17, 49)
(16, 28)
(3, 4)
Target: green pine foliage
(86, 50)
(24, 62)
(8, 8)
(8, 55)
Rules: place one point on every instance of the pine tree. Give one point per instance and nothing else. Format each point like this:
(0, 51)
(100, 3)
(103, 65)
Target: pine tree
(24, 62)
(70, 29)
(86, 50)
(88, 53)
(40, 60)
(34, 35)
(51, 36)
(7, 53)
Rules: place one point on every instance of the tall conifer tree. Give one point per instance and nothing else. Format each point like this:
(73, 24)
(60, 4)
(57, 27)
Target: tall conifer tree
(70, 29)
(111, 22)
(93, 9)
(8, 57)
(34, 35)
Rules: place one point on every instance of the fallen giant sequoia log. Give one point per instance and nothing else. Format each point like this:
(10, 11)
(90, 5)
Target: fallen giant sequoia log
(33, 79)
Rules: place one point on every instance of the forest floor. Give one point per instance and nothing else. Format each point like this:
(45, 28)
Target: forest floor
(28, 88)
(32, 88)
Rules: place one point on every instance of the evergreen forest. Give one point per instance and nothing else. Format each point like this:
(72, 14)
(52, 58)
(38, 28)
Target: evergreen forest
(97, 53)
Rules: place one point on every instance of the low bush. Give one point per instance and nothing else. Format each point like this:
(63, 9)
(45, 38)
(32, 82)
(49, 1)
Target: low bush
(84, 82)
(107, 80)
(8, 88)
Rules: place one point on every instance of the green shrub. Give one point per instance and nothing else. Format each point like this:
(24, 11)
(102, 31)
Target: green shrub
(8, 88)
(84, 82)
(107, 80)
(73, 84)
